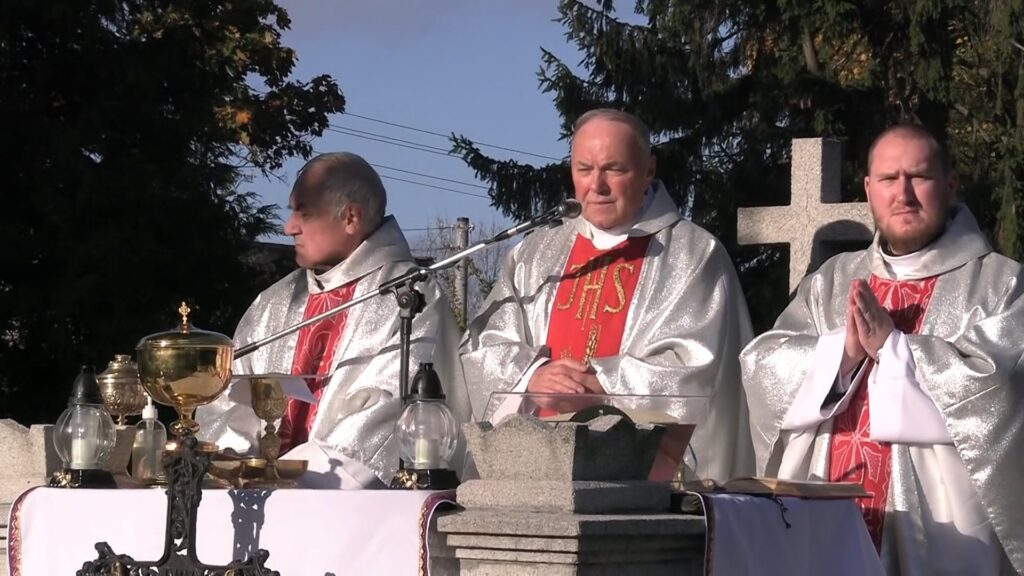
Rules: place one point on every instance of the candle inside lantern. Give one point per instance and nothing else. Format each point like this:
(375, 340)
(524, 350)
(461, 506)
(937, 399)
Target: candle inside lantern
(84, 454)
(427, 454)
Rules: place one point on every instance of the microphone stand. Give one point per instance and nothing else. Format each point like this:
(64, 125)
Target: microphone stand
(410, 300)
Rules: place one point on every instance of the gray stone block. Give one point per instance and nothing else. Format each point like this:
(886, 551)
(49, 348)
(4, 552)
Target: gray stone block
(515, 523)
(117, 463)
(593, 557)
(524, 448)
(566, 544)
(29, 457)
(491, 568)
(583, 497)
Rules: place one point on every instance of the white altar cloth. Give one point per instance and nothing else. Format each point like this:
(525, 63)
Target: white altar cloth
(52, 531)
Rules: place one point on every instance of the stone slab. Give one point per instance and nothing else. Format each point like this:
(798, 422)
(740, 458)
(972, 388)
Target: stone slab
(594, 557)
(524, 448)
(29, 457)
(562, 544)
(583, 497)
(516, 523)
(490, 568)
(28, 452)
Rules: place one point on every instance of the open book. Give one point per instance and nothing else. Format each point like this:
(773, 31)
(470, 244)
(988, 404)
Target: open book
(780, 487)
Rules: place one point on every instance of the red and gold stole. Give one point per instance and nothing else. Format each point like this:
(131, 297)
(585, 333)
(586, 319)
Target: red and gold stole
(589, 313)
(314, 351)
(853, 456)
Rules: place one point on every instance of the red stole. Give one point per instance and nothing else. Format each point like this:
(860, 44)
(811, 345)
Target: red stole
(314, 352)
(853, 456)
(593, 298)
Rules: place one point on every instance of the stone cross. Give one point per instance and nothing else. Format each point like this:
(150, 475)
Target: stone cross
(815, 216)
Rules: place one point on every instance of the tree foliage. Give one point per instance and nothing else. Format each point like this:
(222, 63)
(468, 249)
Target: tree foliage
(725, 85)
(129, 127)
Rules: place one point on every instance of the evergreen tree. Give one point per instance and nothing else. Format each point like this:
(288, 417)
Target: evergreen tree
(129, 127)
(726, 85)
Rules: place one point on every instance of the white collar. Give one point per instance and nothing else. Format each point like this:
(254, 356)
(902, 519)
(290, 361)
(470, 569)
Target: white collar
(904, 266)
(605, 239)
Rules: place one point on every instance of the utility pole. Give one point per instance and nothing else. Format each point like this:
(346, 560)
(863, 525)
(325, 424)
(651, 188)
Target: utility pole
(462, 270)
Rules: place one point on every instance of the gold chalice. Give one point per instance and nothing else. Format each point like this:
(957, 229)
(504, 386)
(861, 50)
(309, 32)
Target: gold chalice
(269, 403)
(184, 368)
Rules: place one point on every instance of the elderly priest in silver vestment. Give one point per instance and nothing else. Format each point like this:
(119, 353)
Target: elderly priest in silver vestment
(899, 367)
(345, 247)
(629, 298)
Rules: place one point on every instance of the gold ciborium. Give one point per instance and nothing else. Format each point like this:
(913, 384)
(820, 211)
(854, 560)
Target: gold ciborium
(184, 368)
(121, 389)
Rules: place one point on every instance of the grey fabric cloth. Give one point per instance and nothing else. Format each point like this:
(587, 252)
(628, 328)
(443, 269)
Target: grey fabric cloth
(685, 326)
(968, 356)
(361, 403)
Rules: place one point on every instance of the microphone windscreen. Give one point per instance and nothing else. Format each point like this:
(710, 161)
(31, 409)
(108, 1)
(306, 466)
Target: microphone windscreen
(571, 208)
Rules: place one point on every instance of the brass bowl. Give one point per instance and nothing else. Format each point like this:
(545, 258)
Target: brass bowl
(185, 368)
(291, 469)
(235, 471)
(121, 388)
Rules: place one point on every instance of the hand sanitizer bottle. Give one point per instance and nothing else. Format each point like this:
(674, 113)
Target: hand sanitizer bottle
(148, 449)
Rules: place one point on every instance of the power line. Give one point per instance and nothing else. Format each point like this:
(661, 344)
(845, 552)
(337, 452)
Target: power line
(428, 185)
(484, 196)
(433, 177)
(420, 147)
(397, 125)
(351, 129)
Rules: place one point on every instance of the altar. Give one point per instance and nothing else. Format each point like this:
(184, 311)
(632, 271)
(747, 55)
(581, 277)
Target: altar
(53, 531)
(335, 532)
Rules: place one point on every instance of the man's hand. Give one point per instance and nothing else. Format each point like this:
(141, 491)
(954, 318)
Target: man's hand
(564, 376)
(853, 351)
(873, 322)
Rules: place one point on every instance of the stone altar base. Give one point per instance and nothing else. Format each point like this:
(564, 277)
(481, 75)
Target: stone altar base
(504, 542)
(585, 510)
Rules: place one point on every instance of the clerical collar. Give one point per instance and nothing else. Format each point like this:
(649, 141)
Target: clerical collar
(605, 239)
(905, 266)
(909, 265)
(328, 279)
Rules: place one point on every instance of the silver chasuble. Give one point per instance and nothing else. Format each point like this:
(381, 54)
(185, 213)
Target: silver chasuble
(684, 328)
(946, 402)
(360, 402)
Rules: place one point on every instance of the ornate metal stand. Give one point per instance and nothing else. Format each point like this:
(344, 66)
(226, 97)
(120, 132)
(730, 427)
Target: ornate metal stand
(185, 470)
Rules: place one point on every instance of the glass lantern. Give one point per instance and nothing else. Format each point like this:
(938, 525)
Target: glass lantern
(84, 436)
(428, 436)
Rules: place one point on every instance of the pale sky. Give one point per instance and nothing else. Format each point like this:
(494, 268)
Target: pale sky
(442, 66)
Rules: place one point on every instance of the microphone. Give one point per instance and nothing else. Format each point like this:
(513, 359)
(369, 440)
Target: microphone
(569, 208)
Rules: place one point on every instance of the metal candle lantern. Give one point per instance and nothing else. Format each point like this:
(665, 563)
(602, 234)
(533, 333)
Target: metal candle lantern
(84, 436)
(427, 436)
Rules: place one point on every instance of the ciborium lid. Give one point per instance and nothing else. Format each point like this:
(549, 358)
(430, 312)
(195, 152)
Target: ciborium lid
(185, 335)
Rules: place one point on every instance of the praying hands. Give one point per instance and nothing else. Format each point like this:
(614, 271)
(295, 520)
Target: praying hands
(868, 325)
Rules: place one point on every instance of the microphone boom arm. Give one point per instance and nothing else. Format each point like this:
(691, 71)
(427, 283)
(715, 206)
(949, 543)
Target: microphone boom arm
(568, 208)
